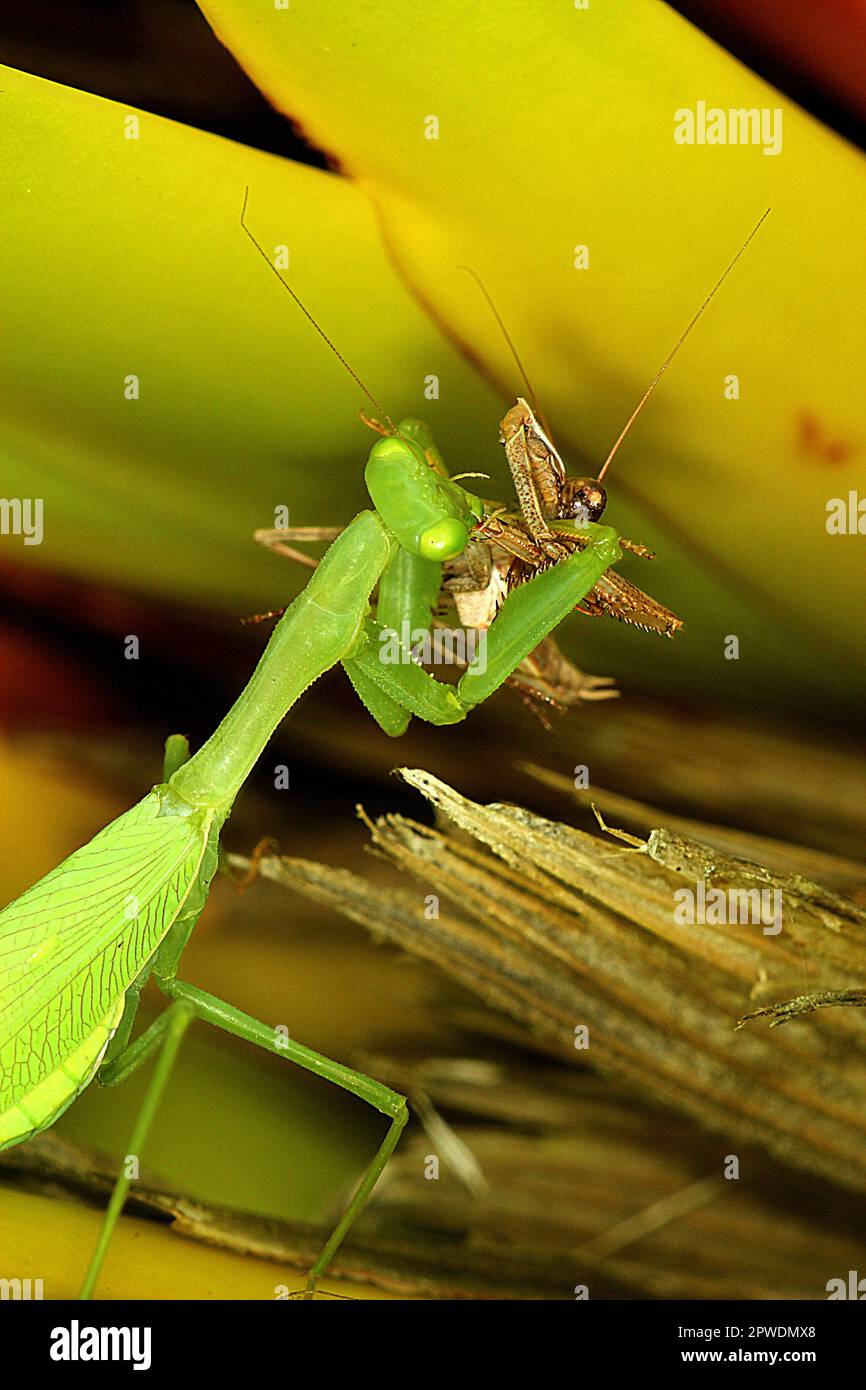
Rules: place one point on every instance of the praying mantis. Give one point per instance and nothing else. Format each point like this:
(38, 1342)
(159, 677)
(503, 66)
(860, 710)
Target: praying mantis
(78, 947)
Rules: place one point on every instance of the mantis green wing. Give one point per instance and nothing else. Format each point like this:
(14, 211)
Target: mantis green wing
(71, 947)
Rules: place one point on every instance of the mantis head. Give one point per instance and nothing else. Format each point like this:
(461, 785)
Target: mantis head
(430, 515)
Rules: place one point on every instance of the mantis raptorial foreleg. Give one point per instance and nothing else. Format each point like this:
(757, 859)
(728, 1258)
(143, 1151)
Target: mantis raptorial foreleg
(408, 592)
(526, 617)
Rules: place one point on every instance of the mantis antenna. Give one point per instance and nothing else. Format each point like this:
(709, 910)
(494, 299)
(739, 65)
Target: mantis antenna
(675, 349)
(305, 311)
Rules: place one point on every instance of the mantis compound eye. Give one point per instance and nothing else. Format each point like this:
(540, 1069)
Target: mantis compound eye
(443, 540)
(582, 498)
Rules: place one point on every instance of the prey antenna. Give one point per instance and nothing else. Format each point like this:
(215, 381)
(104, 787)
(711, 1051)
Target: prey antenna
(676, 347)
(507, 336)
(305, 311)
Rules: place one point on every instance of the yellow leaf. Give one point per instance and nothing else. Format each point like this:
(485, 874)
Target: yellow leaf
(555, 130)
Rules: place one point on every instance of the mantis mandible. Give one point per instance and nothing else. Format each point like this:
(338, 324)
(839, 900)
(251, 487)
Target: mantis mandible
(77, 948)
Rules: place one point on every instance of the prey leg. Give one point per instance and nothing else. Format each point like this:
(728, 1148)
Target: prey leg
(535, 470)
(275, 539)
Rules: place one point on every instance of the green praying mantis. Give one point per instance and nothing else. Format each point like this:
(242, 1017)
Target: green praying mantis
(78, 947)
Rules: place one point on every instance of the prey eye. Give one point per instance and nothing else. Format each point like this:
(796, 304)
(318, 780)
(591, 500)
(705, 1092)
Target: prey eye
(582, 498)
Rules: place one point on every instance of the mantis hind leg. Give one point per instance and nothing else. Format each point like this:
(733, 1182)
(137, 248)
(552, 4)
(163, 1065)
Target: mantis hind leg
(175, 754)
(387, 1102)
(123, 1058)
(166, 1033)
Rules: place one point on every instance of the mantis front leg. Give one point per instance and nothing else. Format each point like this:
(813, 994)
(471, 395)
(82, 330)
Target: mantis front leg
(528, 615)
(408, 593)
(531, 613)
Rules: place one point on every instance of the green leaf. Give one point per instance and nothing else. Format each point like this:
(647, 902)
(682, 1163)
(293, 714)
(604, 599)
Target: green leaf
(125, 257)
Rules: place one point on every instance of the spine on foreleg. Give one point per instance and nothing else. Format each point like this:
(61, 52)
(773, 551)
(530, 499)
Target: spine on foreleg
(534, 610)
